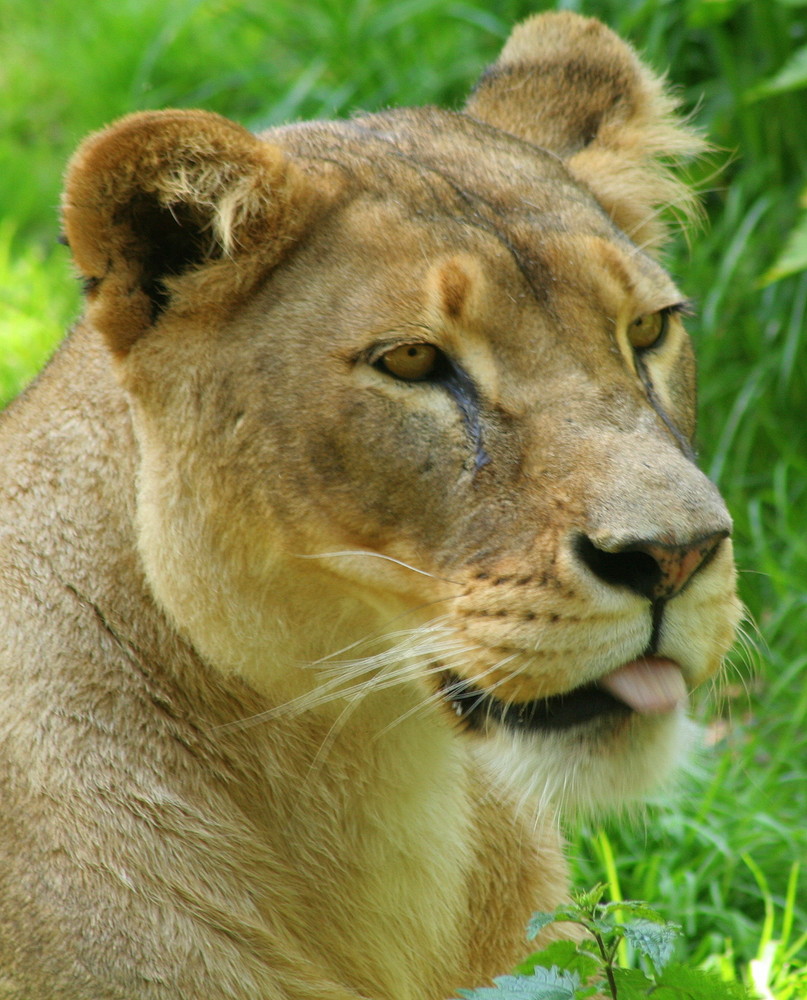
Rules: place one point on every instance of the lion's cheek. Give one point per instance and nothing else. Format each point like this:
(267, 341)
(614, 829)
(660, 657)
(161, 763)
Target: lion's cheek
(387, 472)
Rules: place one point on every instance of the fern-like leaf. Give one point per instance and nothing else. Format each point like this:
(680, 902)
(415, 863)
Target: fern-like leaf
(542, 984)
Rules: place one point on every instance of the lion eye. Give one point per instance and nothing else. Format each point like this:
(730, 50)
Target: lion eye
(648, 331)
(412, 362)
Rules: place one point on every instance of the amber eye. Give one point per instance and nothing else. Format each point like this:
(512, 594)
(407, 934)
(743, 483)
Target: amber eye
(648, 331)
(412, 362)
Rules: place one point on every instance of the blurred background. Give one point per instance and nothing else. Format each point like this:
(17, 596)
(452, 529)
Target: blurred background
(723, 853)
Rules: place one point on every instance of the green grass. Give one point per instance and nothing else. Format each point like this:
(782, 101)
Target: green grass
(719, 853)
(38, 300)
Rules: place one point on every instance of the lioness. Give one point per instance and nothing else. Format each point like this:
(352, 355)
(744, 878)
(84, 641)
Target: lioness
(353, 533)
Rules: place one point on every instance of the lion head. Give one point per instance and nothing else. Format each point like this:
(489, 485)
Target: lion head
(419, 377)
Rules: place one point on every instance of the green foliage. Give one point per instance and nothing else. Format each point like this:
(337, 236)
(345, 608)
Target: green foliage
(792, 76)
(793, 257)
(569, 971)
(540, 984)
(38, 299)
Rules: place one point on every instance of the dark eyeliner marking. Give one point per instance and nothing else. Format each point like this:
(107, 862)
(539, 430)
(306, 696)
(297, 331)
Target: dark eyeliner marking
(683, 308)
(460, 386)
(454, 380)
(655, 402)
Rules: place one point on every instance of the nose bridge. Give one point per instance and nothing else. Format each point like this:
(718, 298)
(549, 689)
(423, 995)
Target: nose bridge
(649, 495)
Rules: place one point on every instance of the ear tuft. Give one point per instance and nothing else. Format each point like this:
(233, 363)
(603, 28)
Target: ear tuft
(158, 207)
(570, 85)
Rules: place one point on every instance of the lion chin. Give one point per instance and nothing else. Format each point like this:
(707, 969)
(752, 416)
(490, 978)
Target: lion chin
(352, 537)
(584, 752)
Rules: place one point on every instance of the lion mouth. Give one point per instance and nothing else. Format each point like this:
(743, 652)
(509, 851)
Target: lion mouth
(647, 686)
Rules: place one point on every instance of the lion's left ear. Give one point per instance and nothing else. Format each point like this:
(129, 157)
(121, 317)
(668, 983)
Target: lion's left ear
(570, 85)
(177, 211)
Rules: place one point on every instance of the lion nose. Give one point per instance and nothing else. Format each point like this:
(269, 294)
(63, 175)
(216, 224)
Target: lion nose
(652, 569)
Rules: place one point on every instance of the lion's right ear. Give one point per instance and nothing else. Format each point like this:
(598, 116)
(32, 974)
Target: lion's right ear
(570, 85)
(177, 210)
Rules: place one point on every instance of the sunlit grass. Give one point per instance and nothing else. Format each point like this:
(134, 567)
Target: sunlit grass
(38, 300)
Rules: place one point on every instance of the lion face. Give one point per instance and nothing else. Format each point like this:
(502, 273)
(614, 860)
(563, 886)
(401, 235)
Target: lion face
(531, 453)
(409, 378)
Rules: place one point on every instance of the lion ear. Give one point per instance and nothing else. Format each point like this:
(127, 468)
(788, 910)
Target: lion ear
(570, 85)
(176, 211)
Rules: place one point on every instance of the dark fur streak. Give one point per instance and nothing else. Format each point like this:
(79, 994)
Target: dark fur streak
(136, 658)
(655, 402)
(657, 613)
(474, 202)
(460, 386)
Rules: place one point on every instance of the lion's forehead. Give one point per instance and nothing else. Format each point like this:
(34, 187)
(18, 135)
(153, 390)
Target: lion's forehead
(448, 166)
(417, 185)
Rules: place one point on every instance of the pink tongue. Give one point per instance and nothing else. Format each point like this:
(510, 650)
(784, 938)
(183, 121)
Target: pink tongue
(649, 686)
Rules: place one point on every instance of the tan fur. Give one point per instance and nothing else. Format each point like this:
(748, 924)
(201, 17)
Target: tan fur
(238, 559)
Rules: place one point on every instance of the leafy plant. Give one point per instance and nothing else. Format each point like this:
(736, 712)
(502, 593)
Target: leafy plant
(589, 968)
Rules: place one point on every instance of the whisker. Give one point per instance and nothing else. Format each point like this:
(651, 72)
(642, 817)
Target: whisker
(437, 695)
(377, 555)
(328, 664)
(434, 698)
(381, 681)
(384, 680)
(339, 677)
(381, 635)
